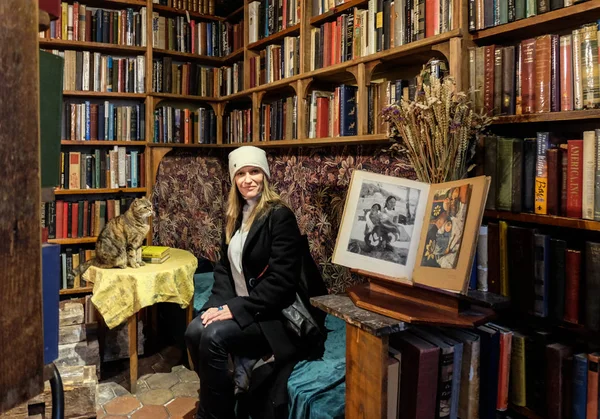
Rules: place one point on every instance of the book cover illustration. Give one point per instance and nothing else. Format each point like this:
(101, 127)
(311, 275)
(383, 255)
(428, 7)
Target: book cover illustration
(446, 227)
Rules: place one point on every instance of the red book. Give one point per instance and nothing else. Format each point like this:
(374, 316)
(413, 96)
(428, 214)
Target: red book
(59, 219)
(564, 164)
(52, 7)
(574, 178)
(74, 219)
(566, 73)
(322, 117)
(543, 73)
(430, 17)
(86, 206)
(76, 21)
(573, 270)
(65, 222)
(528, 89)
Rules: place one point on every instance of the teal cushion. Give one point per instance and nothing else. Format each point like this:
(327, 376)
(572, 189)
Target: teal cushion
(317, 389)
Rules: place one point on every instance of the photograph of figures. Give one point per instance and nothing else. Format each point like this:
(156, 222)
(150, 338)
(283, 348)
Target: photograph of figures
(381, 224)
(446, 227)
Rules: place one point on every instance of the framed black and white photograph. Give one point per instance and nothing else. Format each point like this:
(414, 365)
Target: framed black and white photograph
(381, 225)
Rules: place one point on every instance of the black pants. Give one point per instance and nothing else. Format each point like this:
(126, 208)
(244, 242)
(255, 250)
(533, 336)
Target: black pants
(209, 348)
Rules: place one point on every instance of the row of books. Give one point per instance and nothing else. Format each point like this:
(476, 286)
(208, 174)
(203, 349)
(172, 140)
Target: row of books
(550, 73)
(104, 121)
(78, 22)
(268, 17)
(206, 7)
(69, 260)
(194, 79)
(332, 114)
(237, 126)
(117, 168)
(214, 39)
(486, 13)
(278, 120)
(84, 218)
(480, 372)
(544, 175)
(276, 62)
(543, 275)
(96, 72)
(185, 126)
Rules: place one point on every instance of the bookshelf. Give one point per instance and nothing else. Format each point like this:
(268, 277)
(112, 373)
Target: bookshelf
(548, 220)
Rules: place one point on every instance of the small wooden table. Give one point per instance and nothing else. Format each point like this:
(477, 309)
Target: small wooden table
(120, 293)
(367, 342)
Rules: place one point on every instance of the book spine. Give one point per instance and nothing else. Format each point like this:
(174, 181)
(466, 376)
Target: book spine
(488, 91)
(575, 178)
(555, 73)
(541, 174)
(592, 390)
(508, 81)
(517, 372)
(541, 269)
(589, 174)
(543, 74)
(529, 156)
(590, 78)
(577, 71)
(553, 181)
(482, 259)
(517, 175)
(592, 286)
(504, 280)
(556, 297)
(597, 178)
(580, 386)
(504, 174)
(498, 90)
(566, 73)
(528, 67)
(572, 280)
(564, 164)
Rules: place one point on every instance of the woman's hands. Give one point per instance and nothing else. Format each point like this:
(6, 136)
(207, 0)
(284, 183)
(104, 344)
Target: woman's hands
(215, 314)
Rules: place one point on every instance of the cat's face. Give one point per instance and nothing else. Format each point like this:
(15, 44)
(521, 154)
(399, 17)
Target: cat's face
(142, 208)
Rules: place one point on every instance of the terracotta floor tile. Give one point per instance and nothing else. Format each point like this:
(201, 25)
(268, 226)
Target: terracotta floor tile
(151, 412)
(122, 405)
(183, 407)
(100, 413)
(114, 417)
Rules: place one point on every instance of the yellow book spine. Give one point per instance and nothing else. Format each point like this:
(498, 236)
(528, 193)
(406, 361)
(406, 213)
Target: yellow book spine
(517, 372)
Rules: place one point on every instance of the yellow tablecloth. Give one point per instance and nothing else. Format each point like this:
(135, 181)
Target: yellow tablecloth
(120, 293)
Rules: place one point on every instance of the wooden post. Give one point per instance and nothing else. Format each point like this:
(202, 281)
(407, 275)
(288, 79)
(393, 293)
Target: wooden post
(366, 374)
(21, 337)
(133, 354)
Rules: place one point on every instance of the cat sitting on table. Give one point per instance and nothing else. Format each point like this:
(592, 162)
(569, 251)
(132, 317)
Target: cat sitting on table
(119, 243)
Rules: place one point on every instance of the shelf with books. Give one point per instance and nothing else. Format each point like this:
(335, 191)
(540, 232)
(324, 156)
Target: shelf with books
(182, 12)
(76, 240)
(276, 37)
(548, 117)
(177, 145)
(203, 59)
(234, 56)
(336, 11)
(553, 21)
(93, 46)
(80, 290)
(104, 143)
(348, 140)
(98, 191)
(549, 220)
(116, 3)
(120, 95)
(187, 98)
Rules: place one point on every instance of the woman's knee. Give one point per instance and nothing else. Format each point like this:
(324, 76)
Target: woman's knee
(194, 332)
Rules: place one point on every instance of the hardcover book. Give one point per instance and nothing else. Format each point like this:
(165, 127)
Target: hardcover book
(412, 232)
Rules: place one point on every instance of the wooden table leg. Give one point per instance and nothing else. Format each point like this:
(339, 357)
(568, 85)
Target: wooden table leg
(188, 318)
(133, 354)
(366, 374)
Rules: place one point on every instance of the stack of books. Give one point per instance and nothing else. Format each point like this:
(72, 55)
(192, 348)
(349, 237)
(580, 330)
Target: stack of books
(155, 254)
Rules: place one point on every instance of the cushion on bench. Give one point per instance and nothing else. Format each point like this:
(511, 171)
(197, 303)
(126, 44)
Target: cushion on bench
(317, 389)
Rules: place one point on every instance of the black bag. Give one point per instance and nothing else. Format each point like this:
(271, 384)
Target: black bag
(305, 321)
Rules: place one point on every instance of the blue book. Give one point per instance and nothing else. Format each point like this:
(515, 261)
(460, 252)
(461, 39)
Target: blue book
(88, 120)
(580, 384)
(473, 279)
(156, 126)
(109, 80)
(348, 111)
(488, 375)
(111, 123)
(51, 281)
(134, 169)
(209, 43)
(456, 372)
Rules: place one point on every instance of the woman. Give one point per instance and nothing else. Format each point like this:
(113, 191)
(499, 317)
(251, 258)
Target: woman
(254, 280)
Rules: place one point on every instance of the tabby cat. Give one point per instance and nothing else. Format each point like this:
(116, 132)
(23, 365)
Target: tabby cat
(120, 241)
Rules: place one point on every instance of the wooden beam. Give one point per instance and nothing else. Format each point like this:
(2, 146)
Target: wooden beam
(21, 329)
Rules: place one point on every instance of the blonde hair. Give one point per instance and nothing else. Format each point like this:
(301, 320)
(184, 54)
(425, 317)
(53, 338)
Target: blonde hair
(235, 202)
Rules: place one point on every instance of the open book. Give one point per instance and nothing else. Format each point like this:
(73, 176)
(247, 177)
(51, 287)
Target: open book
(412, 231)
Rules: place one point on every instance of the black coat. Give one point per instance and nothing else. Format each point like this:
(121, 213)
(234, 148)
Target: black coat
(271, 263)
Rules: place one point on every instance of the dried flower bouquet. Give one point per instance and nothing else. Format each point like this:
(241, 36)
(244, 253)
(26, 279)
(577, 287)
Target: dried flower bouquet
(437, 131)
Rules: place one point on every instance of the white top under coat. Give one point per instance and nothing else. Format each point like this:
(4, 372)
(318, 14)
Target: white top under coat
(236, 246)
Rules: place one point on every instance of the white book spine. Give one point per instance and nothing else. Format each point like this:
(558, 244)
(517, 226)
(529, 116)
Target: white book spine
(589, 174)
(577, 69)
(482, 259)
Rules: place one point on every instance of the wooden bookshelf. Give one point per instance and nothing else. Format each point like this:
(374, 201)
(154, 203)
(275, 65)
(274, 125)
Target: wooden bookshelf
(237, 13)
(91, 46)
(550, 22)
(336, 11)
(97, 191)
(181, 56)
(549, 220)
(187, 98)
(76, 240)
(115, 3)
(548, 117)
(116, 95)
(80, 290)
(165, 10)
(178, 145)
(292, 30)
(234, 56)
(103, 143)
(354, 139)
(525, 412)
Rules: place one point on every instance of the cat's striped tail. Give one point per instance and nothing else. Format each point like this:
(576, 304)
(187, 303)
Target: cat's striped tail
(82, 268)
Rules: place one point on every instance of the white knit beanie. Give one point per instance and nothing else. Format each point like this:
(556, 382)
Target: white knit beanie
(248, 156)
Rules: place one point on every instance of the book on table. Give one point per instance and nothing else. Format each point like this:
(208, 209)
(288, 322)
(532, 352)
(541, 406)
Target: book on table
(155, 252)
(156, 260)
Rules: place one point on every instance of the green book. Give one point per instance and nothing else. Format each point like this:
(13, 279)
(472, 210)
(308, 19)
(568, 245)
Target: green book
(504, 170)
(51, 87)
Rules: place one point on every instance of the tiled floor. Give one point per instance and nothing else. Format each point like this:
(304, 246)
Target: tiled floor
(164, 390)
